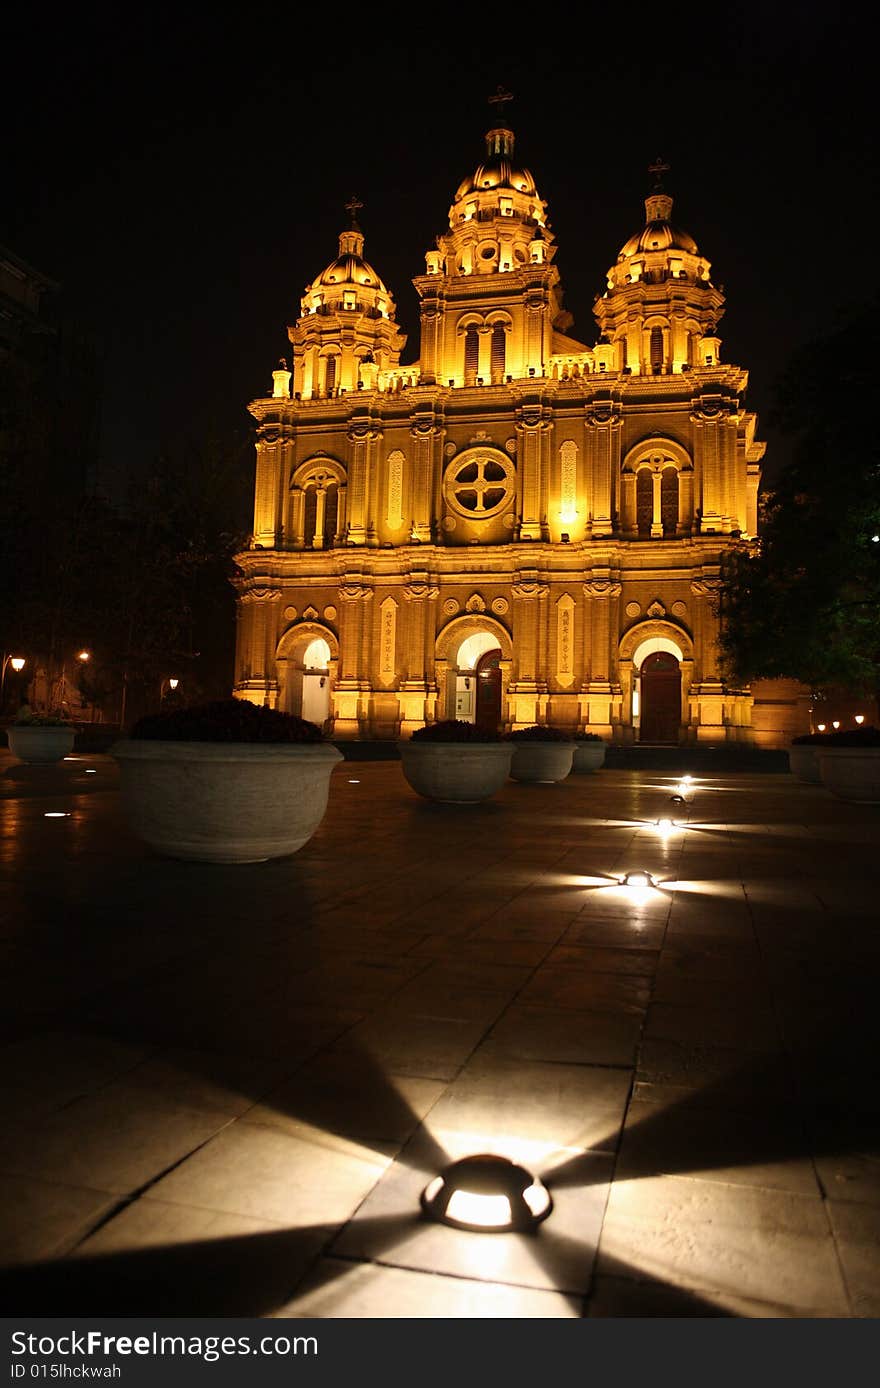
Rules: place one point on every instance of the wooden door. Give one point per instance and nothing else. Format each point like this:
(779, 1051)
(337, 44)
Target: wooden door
(660, 698)
(488, 673)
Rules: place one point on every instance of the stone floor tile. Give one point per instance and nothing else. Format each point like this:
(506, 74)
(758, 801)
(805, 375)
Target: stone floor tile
(42, 1219)
(154, 1258)
(624, 1297)
(579, 1038)
(638, 963)
(356, 1290)
(231, 1084)
(556, 1105)
(617, 932)
(857, 1231)
(582, 990)
(717, 1240)
(117, 1140)
(257, 1171)
(748, 1029)
(348, 1093)
(431, 1045)
(686, 1138)
(45, 1071)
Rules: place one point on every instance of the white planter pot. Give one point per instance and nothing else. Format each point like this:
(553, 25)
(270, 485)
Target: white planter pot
(803, 762)
(852, 773)
(225, 802)
(542, 762)
(588, 756)
(42, 745)
(458, 773)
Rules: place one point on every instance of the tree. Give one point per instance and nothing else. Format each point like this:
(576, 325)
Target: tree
(804, 601)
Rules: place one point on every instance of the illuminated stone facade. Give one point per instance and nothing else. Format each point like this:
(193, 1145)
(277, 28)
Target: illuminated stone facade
(517, 527)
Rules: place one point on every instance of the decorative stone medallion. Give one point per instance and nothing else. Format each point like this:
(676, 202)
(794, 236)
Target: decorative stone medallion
(633, 609)
(330, 613)
(500, 606)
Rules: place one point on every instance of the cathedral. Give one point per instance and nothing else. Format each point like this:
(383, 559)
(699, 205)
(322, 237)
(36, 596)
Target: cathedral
(517, 527)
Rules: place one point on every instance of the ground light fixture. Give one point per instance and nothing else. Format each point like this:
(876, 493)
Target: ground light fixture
(667, 825)
(677, 800)
(487, 1194)
(639, 878)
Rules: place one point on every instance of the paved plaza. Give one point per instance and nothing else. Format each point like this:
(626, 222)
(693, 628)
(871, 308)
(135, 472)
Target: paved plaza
(224, 1088)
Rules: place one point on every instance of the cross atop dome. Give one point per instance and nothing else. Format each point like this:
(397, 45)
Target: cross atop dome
(353, 206)
(658, 169)
(501, 99)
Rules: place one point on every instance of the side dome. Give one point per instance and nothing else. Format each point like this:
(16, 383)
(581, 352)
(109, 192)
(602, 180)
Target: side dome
(349, 267)
(658, 233)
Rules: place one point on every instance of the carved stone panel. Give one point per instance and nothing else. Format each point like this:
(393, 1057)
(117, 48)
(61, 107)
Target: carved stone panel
(565, 640)
(388, 640)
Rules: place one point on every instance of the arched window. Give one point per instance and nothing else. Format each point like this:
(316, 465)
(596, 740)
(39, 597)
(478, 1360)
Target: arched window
(330, 377)
(471, 356)
(656, 350)
(320, 514)
(669, 500)
(644, 502)
(499, 350)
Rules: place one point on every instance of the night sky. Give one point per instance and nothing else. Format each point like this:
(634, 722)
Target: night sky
(184, 175)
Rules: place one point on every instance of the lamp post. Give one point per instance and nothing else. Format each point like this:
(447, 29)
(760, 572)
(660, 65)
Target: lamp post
(18, 663)
(168, 686)
(83, 657)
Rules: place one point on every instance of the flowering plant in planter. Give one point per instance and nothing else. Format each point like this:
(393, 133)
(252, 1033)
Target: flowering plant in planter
(455, 762)
(41, 738)
(225, 782)
(226, 720)
(453, 730)
(542, 753)
(589, 752)
(803, 759)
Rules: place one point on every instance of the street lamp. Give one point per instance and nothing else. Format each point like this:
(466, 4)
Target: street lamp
(17, 662)
(167, 686)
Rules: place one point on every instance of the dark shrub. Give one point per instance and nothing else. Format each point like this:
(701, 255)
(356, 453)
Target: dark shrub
(541, 732)
(587, 737)
(226, 720)
(453, 730)
(854, 737)
(807, 738)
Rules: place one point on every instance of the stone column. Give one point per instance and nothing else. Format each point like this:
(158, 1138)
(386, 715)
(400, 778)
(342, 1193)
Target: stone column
(297, 517)
(707, 418)
(656, 503)
(427, 433)
(533, 421)
(362, 436)
(352, 673)
(272, 447)
(602, 695)
(529, 597)
(603, 426)
(707, 692)
(420, 596)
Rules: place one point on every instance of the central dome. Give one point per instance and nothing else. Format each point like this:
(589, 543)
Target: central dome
(499, 169)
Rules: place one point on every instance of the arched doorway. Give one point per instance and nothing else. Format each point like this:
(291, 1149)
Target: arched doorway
(488, 692)
(316, 682)
(306, 661)
(660, 698)
(478, 699)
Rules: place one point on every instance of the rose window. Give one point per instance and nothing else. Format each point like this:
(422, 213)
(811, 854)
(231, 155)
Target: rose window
(479, 484)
